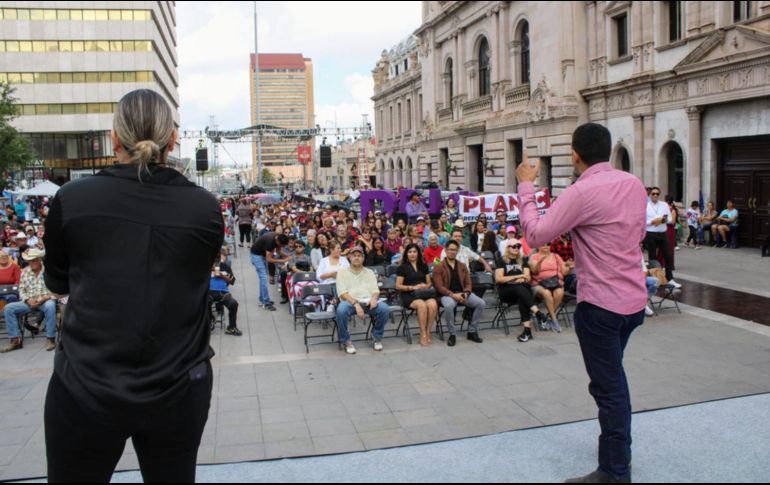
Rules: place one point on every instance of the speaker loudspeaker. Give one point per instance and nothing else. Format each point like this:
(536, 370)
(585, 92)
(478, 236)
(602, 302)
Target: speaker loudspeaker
(202, 160)
(326, 156)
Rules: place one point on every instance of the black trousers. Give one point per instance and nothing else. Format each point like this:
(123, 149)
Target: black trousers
(245, 230)
(84, 447)
(655, 240)
(229, 302)
(521, 294)
(766, 246)
(603, 337)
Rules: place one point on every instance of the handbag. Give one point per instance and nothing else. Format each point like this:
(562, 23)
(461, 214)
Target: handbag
(425, 294)
(551, 283)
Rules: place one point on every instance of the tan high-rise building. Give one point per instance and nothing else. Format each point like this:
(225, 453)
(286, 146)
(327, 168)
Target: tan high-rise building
(286, 101)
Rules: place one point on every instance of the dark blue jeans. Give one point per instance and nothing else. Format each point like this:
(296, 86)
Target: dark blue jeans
(603, 336)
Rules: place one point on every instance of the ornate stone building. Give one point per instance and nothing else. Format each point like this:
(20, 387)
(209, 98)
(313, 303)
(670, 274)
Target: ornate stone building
(397, 108)
(682, 86)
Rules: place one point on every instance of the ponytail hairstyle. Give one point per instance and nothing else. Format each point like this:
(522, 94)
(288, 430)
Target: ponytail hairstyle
(144, 124)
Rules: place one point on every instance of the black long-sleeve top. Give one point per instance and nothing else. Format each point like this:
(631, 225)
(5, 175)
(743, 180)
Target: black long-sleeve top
(135, 259)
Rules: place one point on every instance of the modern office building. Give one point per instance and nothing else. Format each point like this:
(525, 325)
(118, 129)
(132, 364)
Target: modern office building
(71, 62)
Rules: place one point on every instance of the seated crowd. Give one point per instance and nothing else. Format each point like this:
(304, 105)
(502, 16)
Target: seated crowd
(433, 262)
(21, 272)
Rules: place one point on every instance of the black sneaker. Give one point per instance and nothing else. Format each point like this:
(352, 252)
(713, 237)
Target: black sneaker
(271, 308)
(452, 341)
(284, 301)
(233, 331)
(474, 337)
(542, 322)
(525, 336)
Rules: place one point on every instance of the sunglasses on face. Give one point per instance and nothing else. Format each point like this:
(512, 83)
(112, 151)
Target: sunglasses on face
(655, 193)
(515, 246)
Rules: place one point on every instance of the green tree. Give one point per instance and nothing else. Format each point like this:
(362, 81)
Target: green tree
(15, 149)
(267, 177)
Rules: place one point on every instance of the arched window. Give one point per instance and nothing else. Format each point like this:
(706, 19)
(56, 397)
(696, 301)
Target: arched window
(484, 68)
(524, 65)
(449, 82)
(621, 159)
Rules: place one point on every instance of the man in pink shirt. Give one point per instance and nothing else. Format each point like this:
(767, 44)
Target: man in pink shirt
(605, 210)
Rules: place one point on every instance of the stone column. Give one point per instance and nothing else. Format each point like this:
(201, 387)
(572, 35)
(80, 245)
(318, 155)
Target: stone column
(651, 177)
(462, 82)
(638, 159)
(505, 39)
(693, 170)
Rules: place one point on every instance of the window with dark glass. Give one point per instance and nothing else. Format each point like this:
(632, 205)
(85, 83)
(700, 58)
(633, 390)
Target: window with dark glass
(621, 28)
(450, 78)
(741, 11)
(674, 21)
(525, 65)
(484, 69)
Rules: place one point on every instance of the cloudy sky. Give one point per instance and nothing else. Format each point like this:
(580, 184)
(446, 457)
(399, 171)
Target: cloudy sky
(344, 40)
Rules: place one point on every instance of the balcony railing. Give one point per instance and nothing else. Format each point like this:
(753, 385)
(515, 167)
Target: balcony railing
(517, 95)
(478, 105)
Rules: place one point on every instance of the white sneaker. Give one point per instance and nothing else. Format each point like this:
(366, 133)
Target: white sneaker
(676, 285)
(350, 349)
(378, 346)
(649, 311)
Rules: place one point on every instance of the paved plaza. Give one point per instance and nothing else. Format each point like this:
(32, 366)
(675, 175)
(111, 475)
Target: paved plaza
(272, 400)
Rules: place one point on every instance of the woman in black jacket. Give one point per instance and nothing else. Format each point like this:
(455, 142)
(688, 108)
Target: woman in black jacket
(133, 247)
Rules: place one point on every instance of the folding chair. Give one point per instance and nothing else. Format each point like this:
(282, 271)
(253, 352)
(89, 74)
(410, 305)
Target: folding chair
(326, 293)
(669, 293)
(393, 301)
(216, 313)
(563, 310)
(486, 282)
(298, 304)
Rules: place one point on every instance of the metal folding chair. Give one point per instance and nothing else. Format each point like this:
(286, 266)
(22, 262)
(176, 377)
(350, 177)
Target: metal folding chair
(326, 293)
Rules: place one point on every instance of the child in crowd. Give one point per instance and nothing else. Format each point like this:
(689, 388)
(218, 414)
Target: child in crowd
(693, 222)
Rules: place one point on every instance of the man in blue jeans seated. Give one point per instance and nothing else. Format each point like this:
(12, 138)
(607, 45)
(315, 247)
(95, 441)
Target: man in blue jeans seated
(359, 295)
(34, 296)
(219, 291)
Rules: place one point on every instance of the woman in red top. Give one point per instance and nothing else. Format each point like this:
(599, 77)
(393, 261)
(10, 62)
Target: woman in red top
(433, 251)
(10, 273)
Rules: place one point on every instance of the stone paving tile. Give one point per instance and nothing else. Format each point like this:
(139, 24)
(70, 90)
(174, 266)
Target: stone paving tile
(282, 415)
(284, 449)
(235, 454)
(273, 433)
(238, 435)
(331, 427)
(346, 443)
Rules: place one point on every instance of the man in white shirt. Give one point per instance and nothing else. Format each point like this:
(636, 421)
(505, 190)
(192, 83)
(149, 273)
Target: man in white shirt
(466, 254)
(658, 215)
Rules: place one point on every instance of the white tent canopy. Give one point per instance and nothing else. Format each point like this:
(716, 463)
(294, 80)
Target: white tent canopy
(45, 189)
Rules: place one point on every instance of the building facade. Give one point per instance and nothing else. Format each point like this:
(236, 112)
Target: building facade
(71, 62)
(397, 107)
(682, 86)
(286, 101)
